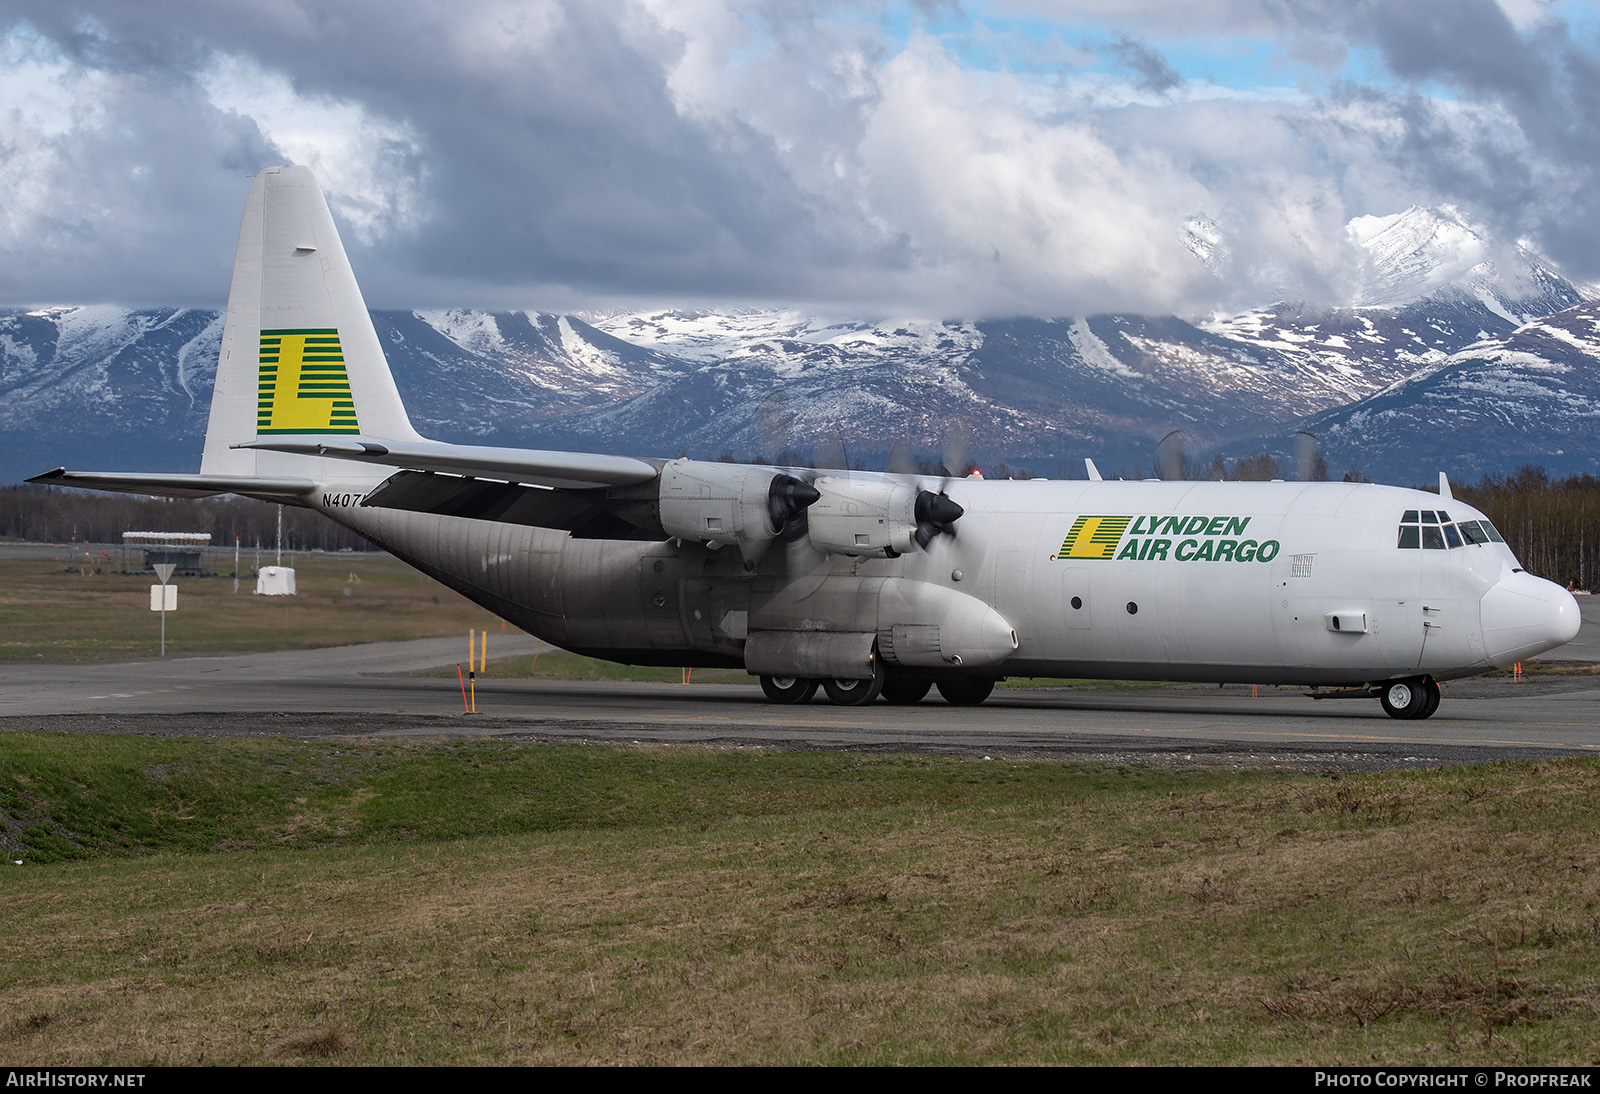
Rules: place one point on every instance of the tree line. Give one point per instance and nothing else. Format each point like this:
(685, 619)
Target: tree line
(1553, 525)
(51, 514)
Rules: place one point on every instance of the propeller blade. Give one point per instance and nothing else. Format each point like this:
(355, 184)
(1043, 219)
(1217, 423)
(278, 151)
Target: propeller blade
(900, 461)
(957, 450)
(831, 453)
(774, 424)
(1169, 456)
(1308, 458)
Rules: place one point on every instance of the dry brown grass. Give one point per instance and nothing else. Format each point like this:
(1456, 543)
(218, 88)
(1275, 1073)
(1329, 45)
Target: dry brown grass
(1408, 918)
(51, 612)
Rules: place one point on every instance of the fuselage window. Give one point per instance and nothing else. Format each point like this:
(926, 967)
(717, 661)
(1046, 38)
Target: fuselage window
(1451, 536)
(1493, 533)
(1473, 532)
(1409, 517)
(1410, 538)
(1432, 538)
(1430, 517)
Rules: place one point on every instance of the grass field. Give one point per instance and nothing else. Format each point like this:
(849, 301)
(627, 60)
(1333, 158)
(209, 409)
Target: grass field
(270, 901)
(63, 610)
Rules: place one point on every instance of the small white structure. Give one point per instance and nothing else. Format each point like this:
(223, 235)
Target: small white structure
(185, 550)
(275, 581)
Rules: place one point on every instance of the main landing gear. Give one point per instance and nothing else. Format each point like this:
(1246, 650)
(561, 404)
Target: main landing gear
(900, 690)
(1417, 697)
(788, 689)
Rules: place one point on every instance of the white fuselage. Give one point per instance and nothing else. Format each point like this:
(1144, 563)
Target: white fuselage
(1245, 582)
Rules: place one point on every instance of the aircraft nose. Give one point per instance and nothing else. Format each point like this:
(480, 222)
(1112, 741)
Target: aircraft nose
(1525, 615)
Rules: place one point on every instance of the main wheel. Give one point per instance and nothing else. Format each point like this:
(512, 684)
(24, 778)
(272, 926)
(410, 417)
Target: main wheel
(855, 693)
(966, 691)
(788, 689)
(905, 690)
(1410, 698)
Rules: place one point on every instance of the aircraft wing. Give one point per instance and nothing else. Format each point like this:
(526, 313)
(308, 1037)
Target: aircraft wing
(177, 486)
(561, 470)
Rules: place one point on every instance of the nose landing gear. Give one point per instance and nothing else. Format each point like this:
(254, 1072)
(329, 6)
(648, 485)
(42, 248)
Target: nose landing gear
(1417, 697)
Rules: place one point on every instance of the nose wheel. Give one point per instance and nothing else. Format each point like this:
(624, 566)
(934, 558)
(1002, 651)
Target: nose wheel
(1417, 697)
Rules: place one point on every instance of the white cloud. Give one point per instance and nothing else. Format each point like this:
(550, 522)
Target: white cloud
(825, 153)
(367, 164)
(45, 98)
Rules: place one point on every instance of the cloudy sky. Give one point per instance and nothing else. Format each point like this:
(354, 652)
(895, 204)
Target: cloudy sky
(987, 158)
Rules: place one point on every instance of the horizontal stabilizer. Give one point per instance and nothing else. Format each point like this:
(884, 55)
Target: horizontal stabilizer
(563, 470)
(581, 512)
(177, 486)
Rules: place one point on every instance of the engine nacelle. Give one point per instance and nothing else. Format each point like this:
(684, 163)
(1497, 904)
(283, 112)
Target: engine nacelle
(721, 504)
(863, 516)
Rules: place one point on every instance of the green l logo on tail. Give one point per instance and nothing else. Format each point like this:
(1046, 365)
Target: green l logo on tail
(303, 385)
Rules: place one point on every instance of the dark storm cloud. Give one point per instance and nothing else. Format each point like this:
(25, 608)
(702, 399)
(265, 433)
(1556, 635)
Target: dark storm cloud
(1151, 67)
(145, 208)
(556, 153)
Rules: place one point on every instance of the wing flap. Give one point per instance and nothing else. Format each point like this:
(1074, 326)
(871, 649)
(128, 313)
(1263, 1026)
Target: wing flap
(562, 470)
(582, 512)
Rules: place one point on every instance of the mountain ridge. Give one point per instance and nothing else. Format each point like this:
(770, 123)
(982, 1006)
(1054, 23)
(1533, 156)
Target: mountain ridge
(106, 387)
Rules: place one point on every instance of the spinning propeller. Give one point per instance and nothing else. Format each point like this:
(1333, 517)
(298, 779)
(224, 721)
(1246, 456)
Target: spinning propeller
(937, 513)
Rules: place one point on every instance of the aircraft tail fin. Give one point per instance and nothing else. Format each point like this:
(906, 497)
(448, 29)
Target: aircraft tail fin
(299, 353)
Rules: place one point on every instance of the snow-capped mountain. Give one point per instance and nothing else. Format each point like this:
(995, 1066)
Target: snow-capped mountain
(1436, 253)
(107, 387)
(1531, 396)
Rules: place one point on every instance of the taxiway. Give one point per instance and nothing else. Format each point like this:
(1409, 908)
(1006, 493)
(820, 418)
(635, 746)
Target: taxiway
(386, 689)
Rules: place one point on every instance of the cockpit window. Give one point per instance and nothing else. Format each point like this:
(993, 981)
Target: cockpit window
(1431, 530)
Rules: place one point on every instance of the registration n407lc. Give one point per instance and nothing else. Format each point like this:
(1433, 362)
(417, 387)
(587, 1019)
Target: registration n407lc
(865, 584)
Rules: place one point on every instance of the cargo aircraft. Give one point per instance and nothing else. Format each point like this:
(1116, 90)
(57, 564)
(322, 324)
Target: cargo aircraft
(867, 584)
